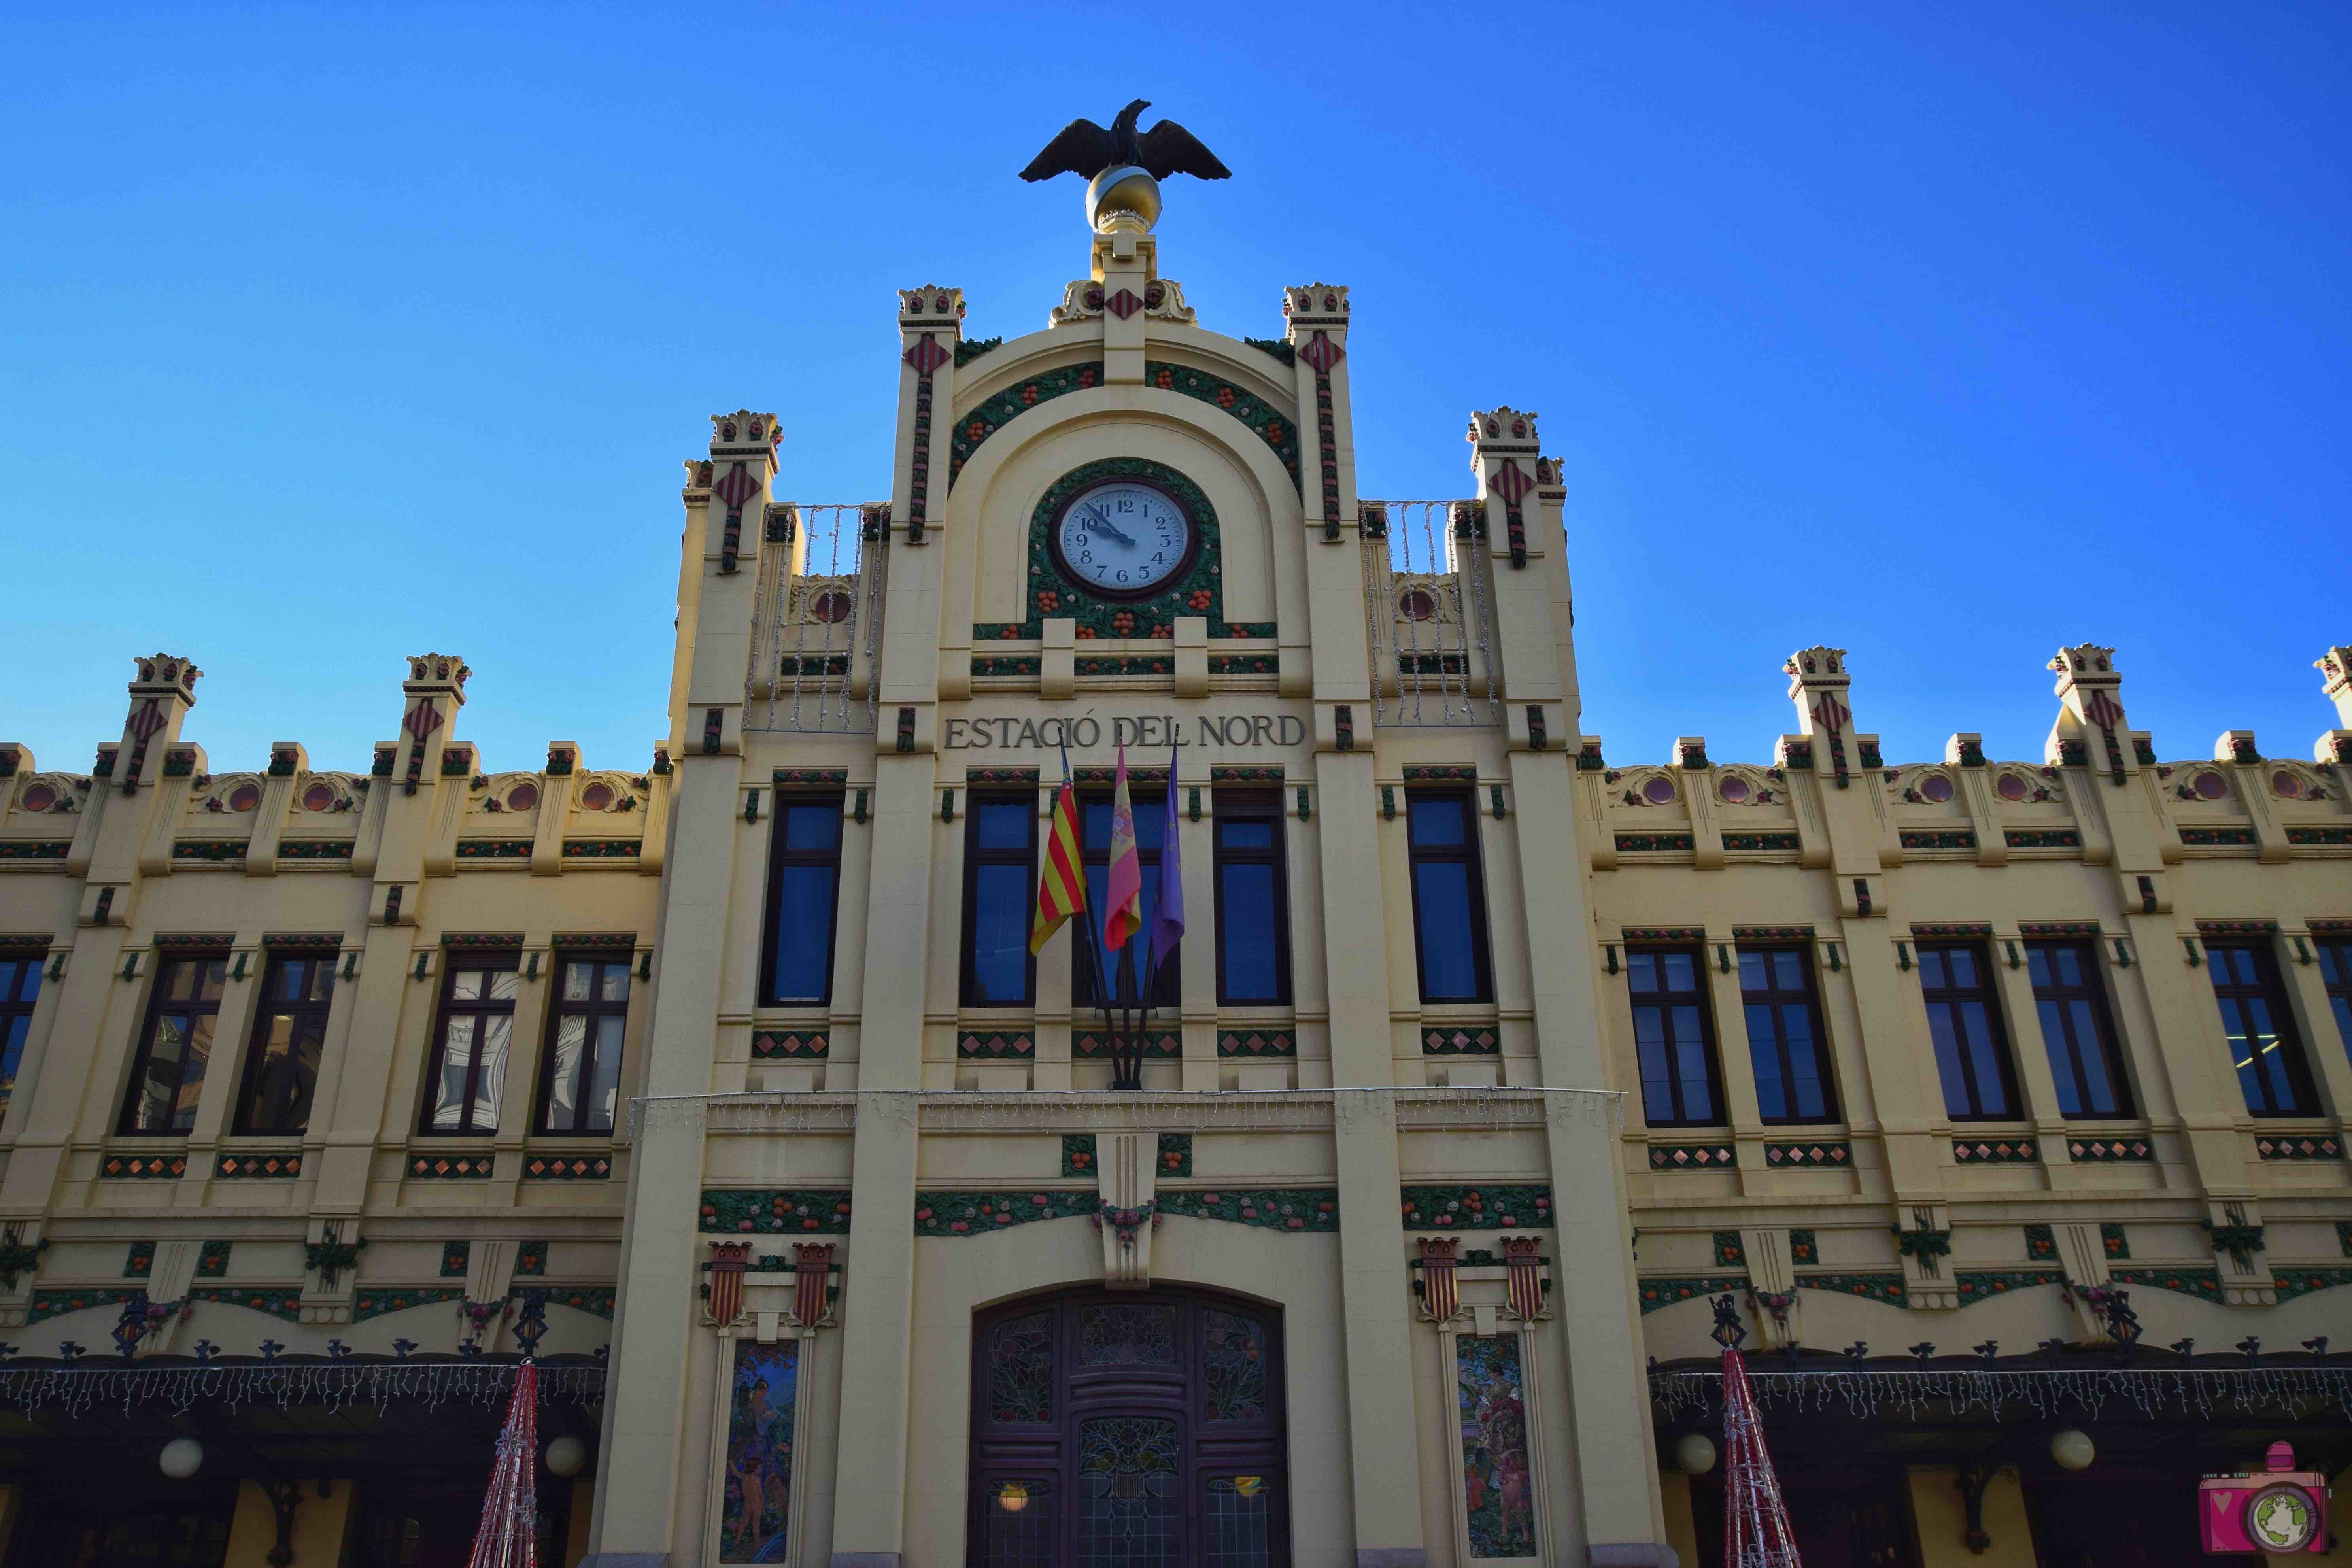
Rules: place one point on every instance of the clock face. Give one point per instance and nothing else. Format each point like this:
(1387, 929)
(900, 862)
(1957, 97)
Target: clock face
(1124, 540)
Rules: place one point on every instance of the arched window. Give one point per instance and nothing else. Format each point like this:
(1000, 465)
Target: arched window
(1134, 1429)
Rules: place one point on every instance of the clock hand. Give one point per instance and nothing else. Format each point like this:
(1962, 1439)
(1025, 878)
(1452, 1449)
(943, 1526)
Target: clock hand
(1103, 524)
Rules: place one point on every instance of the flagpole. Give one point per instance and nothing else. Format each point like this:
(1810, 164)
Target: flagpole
(1103, 998)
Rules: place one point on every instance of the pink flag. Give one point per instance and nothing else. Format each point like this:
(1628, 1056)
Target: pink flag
(1123, 909)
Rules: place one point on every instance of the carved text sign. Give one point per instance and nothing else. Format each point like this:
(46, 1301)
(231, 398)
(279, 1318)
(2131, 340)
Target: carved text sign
(1013, 733)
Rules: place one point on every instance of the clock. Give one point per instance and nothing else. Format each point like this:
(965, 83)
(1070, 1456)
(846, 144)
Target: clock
(1124, 539)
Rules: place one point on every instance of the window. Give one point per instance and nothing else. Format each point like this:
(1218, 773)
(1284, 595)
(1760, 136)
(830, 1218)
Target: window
(176, 1043)
(1964, 1020)
(469, 1055)
(20, 987)
(1784, 1036)
(1253, 902)
(803, 891)
(1449, 906)
(1129, 963)
(1000, 861)
(581, 1084)
(2335, 970)
(290, 1029)
(1673, 1038)
(2261, 1031)
(2077, 1029)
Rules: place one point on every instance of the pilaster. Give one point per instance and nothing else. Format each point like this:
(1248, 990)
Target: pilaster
(931, 332)
(1505, 456)
(1318, 316)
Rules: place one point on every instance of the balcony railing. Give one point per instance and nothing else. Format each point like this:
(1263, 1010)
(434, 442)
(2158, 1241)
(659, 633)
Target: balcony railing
(1428, 610)
(816, 618)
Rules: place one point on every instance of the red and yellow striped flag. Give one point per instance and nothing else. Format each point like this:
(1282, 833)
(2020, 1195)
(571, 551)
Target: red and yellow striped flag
(1062, 877)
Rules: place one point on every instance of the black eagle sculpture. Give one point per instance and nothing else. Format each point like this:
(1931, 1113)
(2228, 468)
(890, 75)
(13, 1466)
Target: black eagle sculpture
(1085, 149)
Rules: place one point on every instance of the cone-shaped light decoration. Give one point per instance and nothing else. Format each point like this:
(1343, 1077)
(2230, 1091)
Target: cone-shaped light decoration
(507, 1536)
(1755, 1522)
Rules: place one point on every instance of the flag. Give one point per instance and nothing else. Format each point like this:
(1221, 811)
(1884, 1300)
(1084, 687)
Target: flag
(1168, 905)
(1123, 903)
(1062, 879)
(726, 1262)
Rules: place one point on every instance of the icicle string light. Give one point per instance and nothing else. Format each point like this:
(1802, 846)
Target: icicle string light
(2152, 1391)
(78, 1390)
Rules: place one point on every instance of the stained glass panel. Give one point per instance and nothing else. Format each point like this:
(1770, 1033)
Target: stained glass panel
(1125, 1335)
(1021, 1370)
(1127, 1472)
(1019, 1533)
(758, 1504)
(1239, 1519)
(1232, 1367)
(1499, 1488)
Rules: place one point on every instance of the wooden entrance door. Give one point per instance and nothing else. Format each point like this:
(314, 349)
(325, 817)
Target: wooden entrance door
(1136, 1429)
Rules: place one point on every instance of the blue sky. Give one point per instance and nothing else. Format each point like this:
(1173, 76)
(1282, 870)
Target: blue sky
(1944, 334)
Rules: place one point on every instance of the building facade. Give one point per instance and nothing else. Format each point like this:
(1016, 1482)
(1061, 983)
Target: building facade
(1381, 1223)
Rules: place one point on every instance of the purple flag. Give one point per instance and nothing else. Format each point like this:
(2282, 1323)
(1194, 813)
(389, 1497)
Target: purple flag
(1167, 903)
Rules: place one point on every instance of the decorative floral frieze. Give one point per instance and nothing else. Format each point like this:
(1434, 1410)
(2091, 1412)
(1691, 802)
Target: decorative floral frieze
(2294, 1282)
(1780, 841)
(284, 1302)
(34, 850)
(1496, 1207)
(1450, 772)
(366, 1304)
(1803, 1250)
(141, 1262)
(1730, 1251)
(1886, 1288)
(567, 1168)
(494, 849)
(213, 849)
(1996, 1152)
(2302, 1146)
(2113, 1240)
(143, 1167)
(47, 1304)
(790, 1044)
(1175, 1153)
(956, 1213)
(1461, 1040)
(1692, 1157)
(2203, 1283)
(1825, 1153)
(978, 423)
(2040, 1244)
(1126, 664)
(2041, 839)
(602, 848)
(278, 1165)
(1077, 1153)
(2217, 837)
(1276, 429)
(1256, 1043)
(1238, 773)
(314, 850)
(1646, 843)
(2316, 836)
(1017, 1047)
(1953, 840)
(597, 1301)
(1244, 664)
(823, 1212)
(530, 1259)
(450, 1167)
(1953, 929)
(1026, 664)
(1977, 1285)
(1269, 1208)
(1656, 1294)
(454, 1258)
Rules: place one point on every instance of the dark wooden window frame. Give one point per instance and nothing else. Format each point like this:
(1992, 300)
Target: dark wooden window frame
(1253, 805)
(1808, 995)
(2337, 950)
(779, 857)
(1468, 853)
(157, 1005)
(596, 1007)
(1167, 985)
(2109, 1040)
(241, 1122)
(1710, 1047)
(453, 963)
(27, 996)
(2270, 987)
(1988, 991)
(973, 858)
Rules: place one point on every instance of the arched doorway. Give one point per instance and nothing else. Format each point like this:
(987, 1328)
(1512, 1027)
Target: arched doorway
(1128, 1429)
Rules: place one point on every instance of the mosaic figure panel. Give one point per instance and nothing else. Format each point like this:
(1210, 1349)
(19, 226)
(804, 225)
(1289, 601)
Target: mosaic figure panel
(757, 1508)
(1497, 1480)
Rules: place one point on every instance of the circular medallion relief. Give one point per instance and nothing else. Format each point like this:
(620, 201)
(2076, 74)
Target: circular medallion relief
(1124, 539)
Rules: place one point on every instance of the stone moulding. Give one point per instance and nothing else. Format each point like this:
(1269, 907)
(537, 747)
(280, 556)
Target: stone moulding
(1494, 1207)
(976, 424)
(1272, 426)
(818, 1211)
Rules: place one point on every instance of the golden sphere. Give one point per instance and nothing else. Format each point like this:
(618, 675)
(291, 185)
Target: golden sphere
(1123, 191)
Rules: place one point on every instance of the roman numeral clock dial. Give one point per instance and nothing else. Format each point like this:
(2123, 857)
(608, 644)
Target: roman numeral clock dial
(1124, 540)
